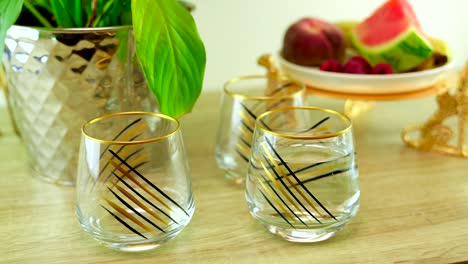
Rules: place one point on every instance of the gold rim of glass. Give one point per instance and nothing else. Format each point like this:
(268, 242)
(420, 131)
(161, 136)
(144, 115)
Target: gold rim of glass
(228, 91)
(136, 113)
(260, 125)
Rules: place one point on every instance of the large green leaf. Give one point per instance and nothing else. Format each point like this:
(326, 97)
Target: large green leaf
(9, 12)
(171, 53)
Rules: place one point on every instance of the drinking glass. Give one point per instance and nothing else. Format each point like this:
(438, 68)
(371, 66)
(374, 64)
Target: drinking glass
(243, 100)
(302, 181)
(133, 185)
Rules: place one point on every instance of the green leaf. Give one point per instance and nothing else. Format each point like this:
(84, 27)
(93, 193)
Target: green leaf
(61, 10)
(171, 53)
(37, 14)
(105, 13)
(78, 13)
(126, 16)
(9, 12)
(42, 3)
(112, 12)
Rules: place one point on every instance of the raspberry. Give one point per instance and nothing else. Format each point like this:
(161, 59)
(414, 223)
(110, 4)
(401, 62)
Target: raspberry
(331, 66)
(357, 65)
(382, 68)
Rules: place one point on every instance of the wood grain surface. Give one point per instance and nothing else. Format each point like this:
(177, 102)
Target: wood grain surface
(414, 205)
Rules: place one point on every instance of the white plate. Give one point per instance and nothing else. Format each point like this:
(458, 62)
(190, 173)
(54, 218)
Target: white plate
(364, 83)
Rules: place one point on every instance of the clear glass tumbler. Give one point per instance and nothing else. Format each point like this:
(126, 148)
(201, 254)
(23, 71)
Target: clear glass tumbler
(302, 181)
(243, 100)
(133, 185)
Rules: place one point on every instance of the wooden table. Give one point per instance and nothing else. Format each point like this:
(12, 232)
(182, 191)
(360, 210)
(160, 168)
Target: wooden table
(414, 206)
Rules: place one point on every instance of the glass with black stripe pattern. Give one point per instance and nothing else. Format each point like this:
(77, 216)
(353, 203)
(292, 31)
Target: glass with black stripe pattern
(302, 182)
(243, 100)
(133, 186)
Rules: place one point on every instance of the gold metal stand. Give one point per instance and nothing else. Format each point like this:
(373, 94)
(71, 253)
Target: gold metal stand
(355, 108)
(435, 134)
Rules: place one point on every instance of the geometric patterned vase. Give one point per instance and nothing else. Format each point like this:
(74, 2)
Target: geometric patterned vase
(58, 79)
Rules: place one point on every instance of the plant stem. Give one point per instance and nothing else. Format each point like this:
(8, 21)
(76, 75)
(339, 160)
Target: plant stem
(37, 14)
(94, 6)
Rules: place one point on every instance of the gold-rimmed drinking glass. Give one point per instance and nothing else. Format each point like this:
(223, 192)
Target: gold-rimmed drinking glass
(133, 185)
(243, 100)
(302, 181)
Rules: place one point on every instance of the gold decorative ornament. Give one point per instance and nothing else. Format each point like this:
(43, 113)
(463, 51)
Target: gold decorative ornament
(435, 134)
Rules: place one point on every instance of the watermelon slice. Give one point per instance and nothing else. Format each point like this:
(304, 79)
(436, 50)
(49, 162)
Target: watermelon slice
(393, 35)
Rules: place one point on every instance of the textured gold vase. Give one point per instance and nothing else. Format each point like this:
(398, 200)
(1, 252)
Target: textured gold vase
(59, 79)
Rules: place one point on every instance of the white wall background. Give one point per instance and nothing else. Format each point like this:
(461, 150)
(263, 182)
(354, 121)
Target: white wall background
(236, 32)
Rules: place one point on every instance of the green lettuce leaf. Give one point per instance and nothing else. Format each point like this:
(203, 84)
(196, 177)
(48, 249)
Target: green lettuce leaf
(171, 53)
(9, 12)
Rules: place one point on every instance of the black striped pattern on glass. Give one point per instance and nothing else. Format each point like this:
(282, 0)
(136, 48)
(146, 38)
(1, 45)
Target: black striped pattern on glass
(297, 179)
(128, 195)
(280, 180)
(248, 116)
(131, 198)
(128, 133)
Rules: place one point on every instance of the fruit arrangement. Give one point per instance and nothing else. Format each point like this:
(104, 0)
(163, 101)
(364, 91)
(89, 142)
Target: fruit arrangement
(390, 40)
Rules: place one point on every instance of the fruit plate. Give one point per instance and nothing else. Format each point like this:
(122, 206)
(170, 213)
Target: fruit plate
(365, 83)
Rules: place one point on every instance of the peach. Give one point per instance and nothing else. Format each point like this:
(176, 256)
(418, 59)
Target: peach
(311, 41)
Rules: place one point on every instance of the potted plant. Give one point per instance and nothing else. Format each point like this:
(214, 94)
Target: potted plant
(69, 61)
